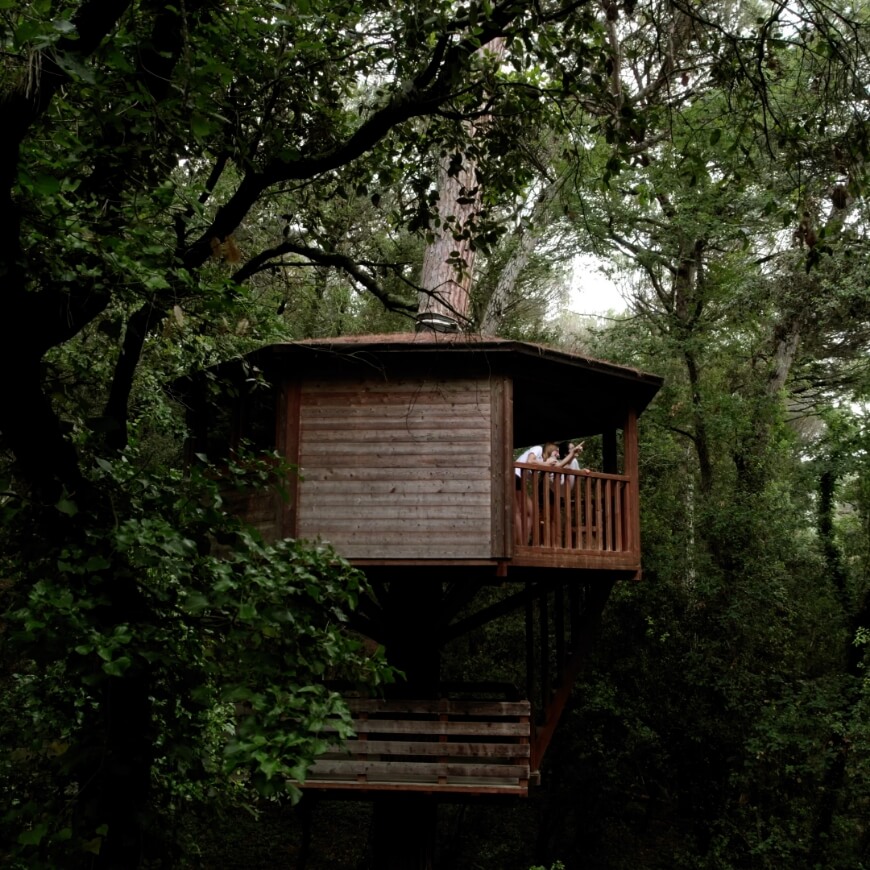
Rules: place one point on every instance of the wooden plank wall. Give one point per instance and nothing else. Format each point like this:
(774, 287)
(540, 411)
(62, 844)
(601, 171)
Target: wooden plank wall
(399, 469)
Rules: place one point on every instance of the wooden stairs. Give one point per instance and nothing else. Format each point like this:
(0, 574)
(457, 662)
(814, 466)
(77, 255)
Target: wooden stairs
(439, 746)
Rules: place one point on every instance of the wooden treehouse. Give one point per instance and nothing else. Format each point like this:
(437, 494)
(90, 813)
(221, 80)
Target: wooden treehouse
(405, 450)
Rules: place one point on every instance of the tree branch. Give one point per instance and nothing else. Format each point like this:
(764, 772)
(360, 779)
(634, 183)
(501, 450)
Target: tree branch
(424, 94)
(323, 258)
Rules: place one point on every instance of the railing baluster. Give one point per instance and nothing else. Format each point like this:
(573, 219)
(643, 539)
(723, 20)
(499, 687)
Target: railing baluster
(587, 544)
(545, 498)
(567, 481)
(598, 515)
(575, 486)
(618, 515)
(536, 511)
(556, 499)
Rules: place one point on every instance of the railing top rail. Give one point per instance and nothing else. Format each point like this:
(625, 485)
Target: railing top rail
(573, 472)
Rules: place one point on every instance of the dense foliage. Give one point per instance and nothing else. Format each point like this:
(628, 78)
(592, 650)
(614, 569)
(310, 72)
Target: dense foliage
(180, 183)
(213, 670)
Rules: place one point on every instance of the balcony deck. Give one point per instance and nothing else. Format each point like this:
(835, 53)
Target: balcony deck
(575, 519)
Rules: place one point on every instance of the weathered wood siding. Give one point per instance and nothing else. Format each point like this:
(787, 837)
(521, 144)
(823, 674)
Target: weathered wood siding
(399, 469)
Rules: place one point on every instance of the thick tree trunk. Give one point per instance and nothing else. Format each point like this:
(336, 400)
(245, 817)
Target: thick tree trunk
(448, 262)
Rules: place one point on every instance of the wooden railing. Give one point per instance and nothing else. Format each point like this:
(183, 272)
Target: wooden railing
(435, 746)
(575, 510)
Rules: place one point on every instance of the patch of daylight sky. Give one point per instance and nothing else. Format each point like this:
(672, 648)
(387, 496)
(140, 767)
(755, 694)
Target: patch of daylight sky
(591, 291)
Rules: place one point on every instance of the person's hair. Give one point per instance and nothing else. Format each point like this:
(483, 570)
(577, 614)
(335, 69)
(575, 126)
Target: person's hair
(549, 447)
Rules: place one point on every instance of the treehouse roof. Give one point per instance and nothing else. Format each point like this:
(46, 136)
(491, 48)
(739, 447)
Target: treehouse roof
(557, 395)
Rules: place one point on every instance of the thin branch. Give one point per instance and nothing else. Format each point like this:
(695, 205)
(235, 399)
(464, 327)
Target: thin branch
(266, 259)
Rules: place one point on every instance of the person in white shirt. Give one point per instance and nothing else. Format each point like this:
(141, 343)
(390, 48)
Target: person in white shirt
(547, 455)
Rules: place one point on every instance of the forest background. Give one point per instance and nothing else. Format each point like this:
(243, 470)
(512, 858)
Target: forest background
(182, 183)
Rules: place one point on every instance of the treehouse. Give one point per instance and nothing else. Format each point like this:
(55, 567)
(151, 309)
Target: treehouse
(404, 448)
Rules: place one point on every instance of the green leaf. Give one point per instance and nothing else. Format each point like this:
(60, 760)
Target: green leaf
(34, 836)
(96, 563)
(200, 126)
(63, 25)
(93, 846)
(270, 767)
(67, 506)
(247, 611)
(117, 667)
(196, 602)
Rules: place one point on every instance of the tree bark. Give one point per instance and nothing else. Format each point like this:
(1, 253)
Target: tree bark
(448, 261)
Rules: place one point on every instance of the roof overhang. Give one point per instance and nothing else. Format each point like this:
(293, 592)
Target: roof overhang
(557, 394)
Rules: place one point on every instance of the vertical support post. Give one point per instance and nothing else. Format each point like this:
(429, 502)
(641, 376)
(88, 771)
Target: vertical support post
(632, 472)
(559, 628)
(530, 653)
(413, 611)
(504, 498)
(306, 811)
(404, 831)
(544, 641)
(574, 614)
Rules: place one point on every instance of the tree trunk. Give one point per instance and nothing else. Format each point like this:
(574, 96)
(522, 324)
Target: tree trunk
(448, 262)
